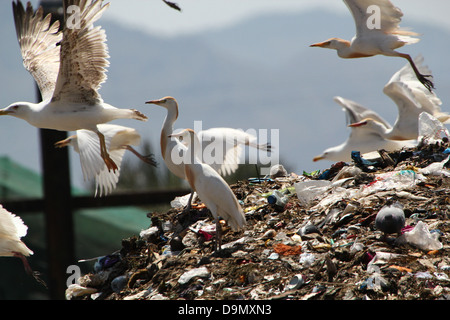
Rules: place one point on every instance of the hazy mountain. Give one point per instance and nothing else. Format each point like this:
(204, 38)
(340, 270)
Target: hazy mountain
(258, 74)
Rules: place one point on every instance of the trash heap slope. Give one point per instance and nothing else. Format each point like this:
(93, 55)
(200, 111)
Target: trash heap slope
(309, 236)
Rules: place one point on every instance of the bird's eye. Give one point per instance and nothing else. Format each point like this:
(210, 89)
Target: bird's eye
(181, 138)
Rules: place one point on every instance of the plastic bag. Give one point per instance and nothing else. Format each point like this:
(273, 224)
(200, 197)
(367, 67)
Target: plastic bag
(181, 202)
(420, 237)
(436, 169)
(309, 190)
(431, 129)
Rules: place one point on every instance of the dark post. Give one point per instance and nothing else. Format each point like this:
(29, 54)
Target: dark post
(57, 194)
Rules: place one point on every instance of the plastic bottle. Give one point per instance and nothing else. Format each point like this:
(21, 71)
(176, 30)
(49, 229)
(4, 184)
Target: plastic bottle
(278, 200)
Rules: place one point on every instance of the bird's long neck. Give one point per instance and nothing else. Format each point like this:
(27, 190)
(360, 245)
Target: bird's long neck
(167, 128)
(346, 50)
(343, 48)
(194, 150)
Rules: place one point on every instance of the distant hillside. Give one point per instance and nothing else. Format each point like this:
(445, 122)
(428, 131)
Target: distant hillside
(258, 74)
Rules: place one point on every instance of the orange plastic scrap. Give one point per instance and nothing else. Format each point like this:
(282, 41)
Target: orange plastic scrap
(401, 269)
(286, 250)
(433, 252)
(198, 206)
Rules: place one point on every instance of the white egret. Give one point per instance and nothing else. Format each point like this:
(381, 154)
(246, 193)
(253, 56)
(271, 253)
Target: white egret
(377, 33)
(411, 99)
(228, 141)
(69, 67)
(211, 188)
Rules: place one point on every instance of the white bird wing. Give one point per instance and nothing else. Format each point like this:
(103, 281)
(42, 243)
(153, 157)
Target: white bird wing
(355, 112)
(11, 226)
(120, 136)
(89, 150)
(371, 138)
(224, 146)
(12, 229)
(84, 54)
(406, 73)
(92, 165)
(39, 47)
(406, 124)
(116, 137)
(106, 180)
(390, 17)
(214, 191)
(428, 100)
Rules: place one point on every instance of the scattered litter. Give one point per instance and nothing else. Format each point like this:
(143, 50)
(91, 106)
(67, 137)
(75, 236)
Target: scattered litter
(296, 282)
(277, 170)
(181, 202)
(201, 272)
(77, 291)
(287, 250)
(308, 237)
(308, 190)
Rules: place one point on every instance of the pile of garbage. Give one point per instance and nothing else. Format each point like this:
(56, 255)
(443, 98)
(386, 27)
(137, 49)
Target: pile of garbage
(309, 236)
(375, 228)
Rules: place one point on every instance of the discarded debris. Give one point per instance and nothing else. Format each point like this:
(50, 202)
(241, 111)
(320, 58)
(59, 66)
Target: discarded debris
(315, 239)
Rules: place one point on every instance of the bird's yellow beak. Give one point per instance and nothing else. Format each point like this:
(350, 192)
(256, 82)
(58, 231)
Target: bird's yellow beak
(157, 102)
(319, 44)
(317, 158)
(5, 112)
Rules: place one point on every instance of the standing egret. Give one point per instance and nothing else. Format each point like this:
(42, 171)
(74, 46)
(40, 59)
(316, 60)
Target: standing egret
(374, 38)
(69, 68)
(229, 139)
(211, 188)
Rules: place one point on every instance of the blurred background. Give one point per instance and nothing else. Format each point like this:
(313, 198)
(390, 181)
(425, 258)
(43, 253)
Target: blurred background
(229, 63)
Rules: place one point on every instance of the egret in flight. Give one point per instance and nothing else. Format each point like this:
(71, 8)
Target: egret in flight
(377, 33)
(411, 99)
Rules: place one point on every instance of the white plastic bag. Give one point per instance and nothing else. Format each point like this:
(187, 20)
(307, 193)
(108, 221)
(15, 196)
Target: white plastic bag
(420, 237)
(309, 190)
(431, 129)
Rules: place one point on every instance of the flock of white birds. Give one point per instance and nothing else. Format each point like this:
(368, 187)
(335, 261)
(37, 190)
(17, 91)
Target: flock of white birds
(69, 66)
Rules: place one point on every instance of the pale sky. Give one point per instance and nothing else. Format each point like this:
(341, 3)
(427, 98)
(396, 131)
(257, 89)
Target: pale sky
(155, 17)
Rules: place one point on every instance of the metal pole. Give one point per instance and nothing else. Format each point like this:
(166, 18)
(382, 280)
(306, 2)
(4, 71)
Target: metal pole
(57, 194)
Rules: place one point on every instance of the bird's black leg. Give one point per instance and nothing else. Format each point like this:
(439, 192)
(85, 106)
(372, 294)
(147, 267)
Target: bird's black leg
(421, 77)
